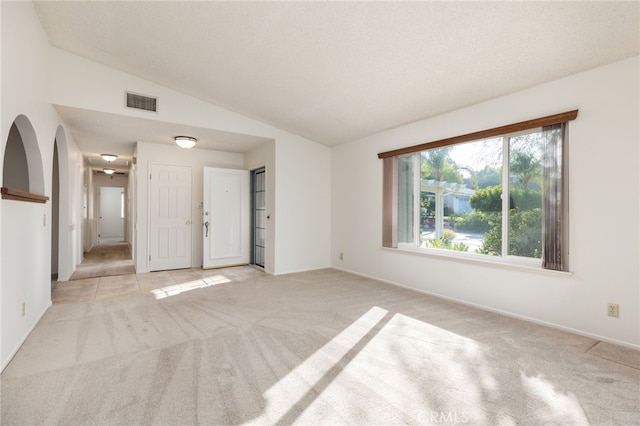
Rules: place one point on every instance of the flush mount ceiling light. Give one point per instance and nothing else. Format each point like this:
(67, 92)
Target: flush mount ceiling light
(108, 157)
(185, 141)
(109, 171)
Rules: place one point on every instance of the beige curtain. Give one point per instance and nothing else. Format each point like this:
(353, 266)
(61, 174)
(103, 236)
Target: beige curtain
(390, 202)
(555, 232)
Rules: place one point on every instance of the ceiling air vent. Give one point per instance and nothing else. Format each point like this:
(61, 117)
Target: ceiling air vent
(146, 103)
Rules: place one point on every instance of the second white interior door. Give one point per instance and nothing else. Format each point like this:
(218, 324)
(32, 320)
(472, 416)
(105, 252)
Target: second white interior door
(226, 217)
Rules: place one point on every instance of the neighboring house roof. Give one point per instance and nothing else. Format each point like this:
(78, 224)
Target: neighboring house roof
(450, 188)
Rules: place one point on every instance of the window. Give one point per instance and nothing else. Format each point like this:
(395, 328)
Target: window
(498, 193)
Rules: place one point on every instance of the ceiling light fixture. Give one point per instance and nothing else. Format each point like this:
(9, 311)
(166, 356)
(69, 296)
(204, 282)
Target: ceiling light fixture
(108, 157)
(109, 171)
(185, 141)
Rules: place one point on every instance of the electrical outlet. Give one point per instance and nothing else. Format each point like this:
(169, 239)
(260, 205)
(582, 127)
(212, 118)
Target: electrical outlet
(341, 256)
(24, 308)
(613, 310)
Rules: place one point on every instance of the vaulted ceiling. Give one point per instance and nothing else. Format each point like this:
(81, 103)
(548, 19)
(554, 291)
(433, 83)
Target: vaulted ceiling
(338, 71)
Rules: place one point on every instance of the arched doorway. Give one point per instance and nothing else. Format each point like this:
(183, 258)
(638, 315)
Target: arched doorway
(15, 172)
(65, 249)
(26, 292)
(22, 159)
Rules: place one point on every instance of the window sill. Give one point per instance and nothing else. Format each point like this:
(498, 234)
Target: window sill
(470, 258)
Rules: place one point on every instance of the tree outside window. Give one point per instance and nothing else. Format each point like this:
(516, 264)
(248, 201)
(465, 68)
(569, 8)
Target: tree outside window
(461, 204)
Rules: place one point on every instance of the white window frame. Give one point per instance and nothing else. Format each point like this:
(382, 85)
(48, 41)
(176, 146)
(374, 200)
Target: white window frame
(504, 257)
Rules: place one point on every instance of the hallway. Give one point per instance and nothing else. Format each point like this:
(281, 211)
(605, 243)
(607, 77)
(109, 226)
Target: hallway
(105, 259)
(106, 271)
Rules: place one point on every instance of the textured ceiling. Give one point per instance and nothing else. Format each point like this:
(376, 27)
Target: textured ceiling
(338, 71)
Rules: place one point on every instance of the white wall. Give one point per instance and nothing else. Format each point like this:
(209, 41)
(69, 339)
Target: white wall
(72, 214)
(298, 200)
(195, 158)
(25, 229)
(302, 178)
(604, 212)
(322, 196)
(303, 206)
(301, 184)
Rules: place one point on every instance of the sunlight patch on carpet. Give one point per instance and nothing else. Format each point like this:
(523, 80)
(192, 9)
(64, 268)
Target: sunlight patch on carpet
(319, 369)
(172, 290)
(558, 407)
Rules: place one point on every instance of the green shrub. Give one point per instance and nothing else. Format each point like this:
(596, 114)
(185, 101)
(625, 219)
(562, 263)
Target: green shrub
(487, 199)
(525, 199)
(475, 222)
(525, 235)
(446, 242)
(490, 199)
(460, 247)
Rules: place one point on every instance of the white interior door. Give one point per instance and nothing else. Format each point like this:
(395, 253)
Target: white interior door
(226, 217)
(169, 217)
(111, 213)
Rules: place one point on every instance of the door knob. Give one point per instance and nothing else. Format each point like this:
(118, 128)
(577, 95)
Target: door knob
(206, 226)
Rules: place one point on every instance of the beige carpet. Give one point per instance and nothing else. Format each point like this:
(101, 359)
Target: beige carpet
(322, 347)
(105, 260)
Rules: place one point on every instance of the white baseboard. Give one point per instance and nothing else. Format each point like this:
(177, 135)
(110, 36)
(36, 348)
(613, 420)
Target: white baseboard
(298, 271)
